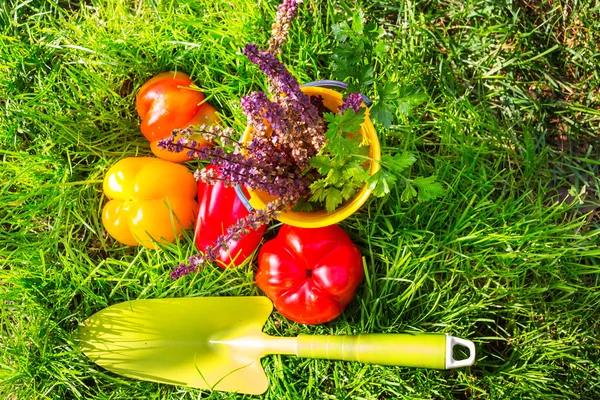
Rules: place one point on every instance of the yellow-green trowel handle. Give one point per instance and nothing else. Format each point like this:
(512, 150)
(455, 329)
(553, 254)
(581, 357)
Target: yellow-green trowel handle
(419, 350)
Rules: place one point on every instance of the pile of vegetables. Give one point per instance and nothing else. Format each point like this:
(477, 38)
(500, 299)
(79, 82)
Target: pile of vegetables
(309, 274)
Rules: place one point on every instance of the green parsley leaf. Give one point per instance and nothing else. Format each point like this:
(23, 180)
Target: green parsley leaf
(350, 121)
(388, 92)
(382, 112)
(365, 76)
(428, 188)
(341, 31)
(358, 22)
(333, 176)
(355, 171)
(334, 145)
(333, 199)
(346, 148)
(398, 162)
(373, 31)
(330, 118)
(318, 190)
(381, 182)
(350, 189)
(408, 193)
(322, 163)
(408, 103)
(345, 58)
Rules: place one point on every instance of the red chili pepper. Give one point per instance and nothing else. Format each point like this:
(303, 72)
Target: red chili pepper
(218, 208)
(310, 274)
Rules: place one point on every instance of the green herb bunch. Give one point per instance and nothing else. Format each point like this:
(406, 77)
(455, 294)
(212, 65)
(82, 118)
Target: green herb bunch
(360, 47)
(340, 162)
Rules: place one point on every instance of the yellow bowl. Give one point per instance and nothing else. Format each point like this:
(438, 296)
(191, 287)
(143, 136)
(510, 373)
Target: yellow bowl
(316, 219)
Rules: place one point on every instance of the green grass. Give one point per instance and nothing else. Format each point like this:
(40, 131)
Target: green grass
(509, 258)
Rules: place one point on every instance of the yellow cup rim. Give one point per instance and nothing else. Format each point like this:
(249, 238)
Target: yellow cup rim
(316, 219)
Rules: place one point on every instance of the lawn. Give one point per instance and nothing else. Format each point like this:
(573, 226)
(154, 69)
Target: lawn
(508, 121)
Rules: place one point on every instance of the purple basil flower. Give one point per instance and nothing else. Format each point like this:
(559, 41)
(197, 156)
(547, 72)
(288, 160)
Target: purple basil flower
(257, 107)
(253, 106)
(278, 75)
(182, 270)
(280, 29)
(353, 101)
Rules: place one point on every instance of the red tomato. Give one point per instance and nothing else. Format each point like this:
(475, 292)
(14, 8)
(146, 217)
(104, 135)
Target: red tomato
(167, 102)
(310, 274)
(218, 208)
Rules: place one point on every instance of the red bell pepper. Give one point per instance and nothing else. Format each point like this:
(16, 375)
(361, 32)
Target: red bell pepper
(218, 208)
(310, 274)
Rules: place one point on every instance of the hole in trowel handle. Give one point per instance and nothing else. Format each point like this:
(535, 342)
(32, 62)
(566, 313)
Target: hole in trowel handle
(459, 352)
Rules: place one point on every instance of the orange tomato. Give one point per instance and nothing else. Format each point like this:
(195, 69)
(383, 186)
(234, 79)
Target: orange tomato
(168, 102)
(151, 201)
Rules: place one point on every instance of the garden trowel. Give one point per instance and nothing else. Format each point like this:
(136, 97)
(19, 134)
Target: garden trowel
(217, 343)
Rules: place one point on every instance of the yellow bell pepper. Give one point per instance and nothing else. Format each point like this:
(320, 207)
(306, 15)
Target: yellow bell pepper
(151, 201)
